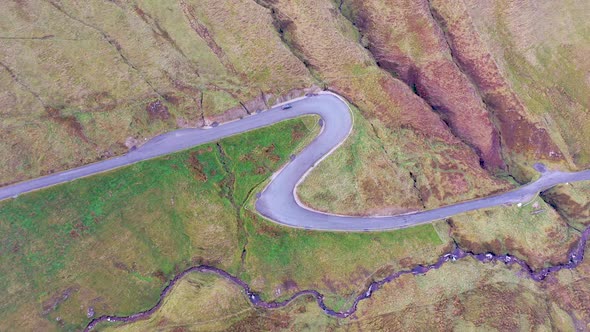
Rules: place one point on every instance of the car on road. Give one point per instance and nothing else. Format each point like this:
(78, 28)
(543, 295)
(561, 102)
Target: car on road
(286, 107)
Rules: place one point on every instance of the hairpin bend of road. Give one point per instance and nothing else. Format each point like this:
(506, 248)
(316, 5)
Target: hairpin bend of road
(278, 202)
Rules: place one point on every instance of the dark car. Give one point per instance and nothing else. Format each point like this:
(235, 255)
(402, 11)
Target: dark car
(286, 107)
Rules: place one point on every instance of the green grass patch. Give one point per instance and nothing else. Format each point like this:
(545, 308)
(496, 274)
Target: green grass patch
(118, 236)
(282, 260)
(112, 240)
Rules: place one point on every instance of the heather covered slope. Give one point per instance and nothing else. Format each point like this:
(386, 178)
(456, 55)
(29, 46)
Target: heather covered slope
(508, 78)
(541, 48)
(408, 43)
(98, 78)
(450, 95)
(451, 100)
(418, 148)
(79, 80)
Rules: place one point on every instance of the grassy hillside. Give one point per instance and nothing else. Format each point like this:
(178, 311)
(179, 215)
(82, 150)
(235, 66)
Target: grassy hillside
(95, 79)
(110, 242)
(78, 79)
(458, 296)
(452, 100)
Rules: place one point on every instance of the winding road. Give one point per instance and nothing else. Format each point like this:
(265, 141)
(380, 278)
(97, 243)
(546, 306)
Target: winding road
(278, 201)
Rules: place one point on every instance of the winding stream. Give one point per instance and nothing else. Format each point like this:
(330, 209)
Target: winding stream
(575, 256)
(278, 202)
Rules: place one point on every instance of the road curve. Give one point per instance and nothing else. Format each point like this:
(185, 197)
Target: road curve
(278, 201)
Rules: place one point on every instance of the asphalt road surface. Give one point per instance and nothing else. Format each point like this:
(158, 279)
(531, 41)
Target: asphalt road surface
(278, 201)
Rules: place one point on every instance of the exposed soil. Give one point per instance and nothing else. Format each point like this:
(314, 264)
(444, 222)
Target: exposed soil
(268, 153)
(54, 301)
(72, 125)
(567, 206)
(297, 133)
(203, 32)
(157, 110)
(196, 166)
